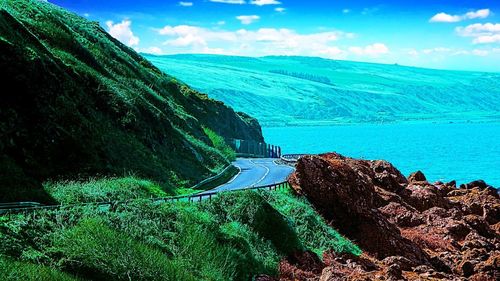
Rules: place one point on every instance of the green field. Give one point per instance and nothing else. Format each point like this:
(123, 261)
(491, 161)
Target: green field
(313, 91)
(236, 236)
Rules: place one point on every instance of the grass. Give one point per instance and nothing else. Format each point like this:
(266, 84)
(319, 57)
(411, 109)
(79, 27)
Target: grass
(98, 252)
(93, 106)
(104, 189)
(316, 91)
(311, 228)
(21, 271)
(236, 236)
(219, 143)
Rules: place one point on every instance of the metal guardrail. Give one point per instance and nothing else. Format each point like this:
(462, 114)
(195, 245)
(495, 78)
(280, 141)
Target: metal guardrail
(291, 157)
(213, 178)
(110, 204)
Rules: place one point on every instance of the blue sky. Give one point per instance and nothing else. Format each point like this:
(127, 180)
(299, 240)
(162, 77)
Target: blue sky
(446, 34)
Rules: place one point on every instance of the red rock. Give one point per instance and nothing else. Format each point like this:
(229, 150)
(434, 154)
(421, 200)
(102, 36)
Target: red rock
(408, 229)
(417, 176)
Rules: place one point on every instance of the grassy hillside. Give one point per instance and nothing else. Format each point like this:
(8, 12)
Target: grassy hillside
(303, 90)
(82, 104)
(234, 237)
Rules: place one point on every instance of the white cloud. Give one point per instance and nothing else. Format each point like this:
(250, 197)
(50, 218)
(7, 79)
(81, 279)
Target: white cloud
(444, 17)
(481, 33)
(280, 9)
(436, 50)
(151, 50)
(86, 15)
(370, 50)
(412, 52)
(260, 42)
(486, 39)
(185, 4)
(346, 11)
(265, 2)
(444, 51)
(221, 22)
(248, 19)
(229, 1)
(122, 32)
(481, 14)
(481, 53)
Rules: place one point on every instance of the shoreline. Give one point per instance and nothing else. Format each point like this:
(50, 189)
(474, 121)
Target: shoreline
(395, 122)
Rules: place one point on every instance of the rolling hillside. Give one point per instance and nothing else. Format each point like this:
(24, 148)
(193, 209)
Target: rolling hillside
(313, 91)
(77, 103)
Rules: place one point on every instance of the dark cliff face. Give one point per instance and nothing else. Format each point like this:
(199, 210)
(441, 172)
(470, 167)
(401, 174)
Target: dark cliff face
(409, 229)
(77, 102)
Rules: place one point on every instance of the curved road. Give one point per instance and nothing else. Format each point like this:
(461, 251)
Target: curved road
(252, 172)
(255, 172)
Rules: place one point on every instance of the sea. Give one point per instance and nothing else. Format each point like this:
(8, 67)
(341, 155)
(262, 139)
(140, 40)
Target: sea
(442, 151)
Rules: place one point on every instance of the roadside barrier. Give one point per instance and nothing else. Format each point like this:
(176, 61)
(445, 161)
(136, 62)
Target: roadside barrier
(290, 158)
(22, 207)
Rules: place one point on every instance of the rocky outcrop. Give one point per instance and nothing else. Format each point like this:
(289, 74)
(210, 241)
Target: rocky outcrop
(409, 229)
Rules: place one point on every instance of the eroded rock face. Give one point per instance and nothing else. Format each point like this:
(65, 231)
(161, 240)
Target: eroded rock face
(409, 229)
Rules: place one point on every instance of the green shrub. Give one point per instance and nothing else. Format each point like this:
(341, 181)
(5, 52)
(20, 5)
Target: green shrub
(220, 144)
(249, 208)
(256, 253)
(20, 271)
(233, 237)
(311, 228)
(102, 253)
(104, 189)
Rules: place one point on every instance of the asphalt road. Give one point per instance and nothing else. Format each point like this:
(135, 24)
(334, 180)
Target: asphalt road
(255, 172)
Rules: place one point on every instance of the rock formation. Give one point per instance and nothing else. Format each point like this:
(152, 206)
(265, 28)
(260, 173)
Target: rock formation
(409, 229)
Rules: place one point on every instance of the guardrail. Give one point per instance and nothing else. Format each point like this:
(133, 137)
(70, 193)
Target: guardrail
(213, 178)
(291, 157)
(199, 197)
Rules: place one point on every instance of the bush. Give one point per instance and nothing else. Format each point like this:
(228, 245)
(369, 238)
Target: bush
(20, 271)
(104, 189)
(249, 208)
(101, 253)
(220, 144)
(311, 228)
(236, 236)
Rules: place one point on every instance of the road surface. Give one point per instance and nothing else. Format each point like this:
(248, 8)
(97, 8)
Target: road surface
(255, 172)
(252, 172)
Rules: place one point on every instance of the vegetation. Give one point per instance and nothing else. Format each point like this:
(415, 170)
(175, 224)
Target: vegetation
(233, 237)
(105, 189)
(85, 105)
(13, 271)
(282, 90)
(219, 143)
(305, 76)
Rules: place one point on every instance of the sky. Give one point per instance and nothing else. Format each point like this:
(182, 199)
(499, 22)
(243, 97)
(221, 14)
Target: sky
(443, 34)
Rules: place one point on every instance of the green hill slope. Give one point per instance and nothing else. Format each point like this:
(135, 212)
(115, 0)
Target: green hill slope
(76, 102)
(305, 90)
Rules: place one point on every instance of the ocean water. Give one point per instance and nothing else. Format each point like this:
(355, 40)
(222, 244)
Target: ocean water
(449, 151)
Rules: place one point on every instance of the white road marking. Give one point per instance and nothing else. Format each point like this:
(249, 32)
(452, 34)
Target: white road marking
(235, 176)
(263, 177)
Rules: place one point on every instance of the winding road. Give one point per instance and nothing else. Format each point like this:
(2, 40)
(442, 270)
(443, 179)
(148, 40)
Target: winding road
(255, 172)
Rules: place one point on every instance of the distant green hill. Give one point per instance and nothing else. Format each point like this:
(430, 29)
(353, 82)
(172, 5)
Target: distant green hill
(76, 102)
(306, 90)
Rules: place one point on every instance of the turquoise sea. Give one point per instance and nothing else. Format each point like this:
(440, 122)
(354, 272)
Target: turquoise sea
(445, 152)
